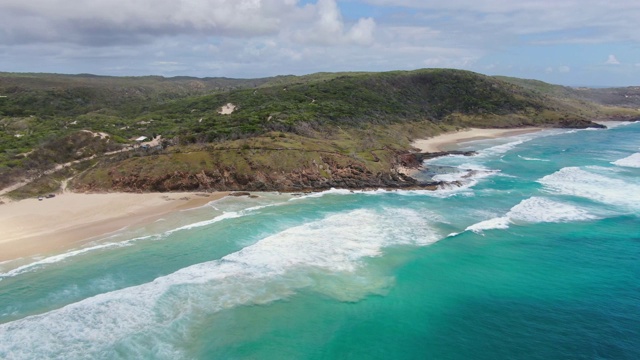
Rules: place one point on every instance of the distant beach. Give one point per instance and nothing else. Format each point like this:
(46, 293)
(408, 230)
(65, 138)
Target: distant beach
(449, 141)
(32, 226)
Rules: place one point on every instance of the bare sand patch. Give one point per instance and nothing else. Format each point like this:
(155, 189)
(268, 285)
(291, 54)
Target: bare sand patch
(227, 109)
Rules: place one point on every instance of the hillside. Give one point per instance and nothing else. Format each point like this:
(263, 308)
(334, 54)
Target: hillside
(284, 133)
(621, 98)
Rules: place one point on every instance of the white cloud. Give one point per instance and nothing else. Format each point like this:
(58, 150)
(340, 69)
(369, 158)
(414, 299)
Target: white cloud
(324, 25)
(555, 22)
(564, 69)
(612, 60)
(363, 32)
(249, 38)
(100, 22)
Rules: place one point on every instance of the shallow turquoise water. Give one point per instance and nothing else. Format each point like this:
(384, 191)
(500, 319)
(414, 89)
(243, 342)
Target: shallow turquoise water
(536, 256)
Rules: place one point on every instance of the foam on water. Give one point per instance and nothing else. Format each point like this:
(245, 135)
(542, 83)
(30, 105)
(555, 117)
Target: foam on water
(135, 320)
(320, 194)
(491, 224)
(503, 148)
(535, 210)
(597, 187)
(532, 159)
(615, 124)
(61, 257)
(632, 161)
(224, 216)
(461, 181)
(544, 210)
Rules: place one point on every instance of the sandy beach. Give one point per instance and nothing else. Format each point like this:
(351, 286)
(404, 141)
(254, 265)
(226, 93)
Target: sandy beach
(31, 227)
(450, 141)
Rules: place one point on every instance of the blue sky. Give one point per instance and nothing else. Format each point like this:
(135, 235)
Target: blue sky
(569, 42)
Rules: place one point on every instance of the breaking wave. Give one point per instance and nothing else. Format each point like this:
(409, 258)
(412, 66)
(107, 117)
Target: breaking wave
(535, 210)
(632, 161)
(596, 187)
(135, 320)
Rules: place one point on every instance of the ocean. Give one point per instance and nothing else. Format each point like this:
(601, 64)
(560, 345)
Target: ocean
(535, 254)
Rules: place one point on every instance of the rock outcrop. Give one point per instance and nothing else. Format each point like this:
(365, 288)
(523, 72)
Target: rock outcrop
(311, 177)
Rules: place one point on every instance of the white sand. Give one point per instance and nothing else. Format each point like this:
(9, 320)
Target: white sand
(227, 109)
(30, 226)
(450, 141)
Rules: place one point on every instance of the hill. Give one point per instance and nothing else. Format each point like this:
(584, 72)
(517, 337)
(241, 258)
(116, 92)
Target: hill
(283, 133)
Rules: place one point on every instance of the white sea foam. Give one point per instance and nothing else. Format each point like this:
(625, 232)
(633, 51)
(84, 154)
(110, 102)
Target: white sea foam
(535, 210)
(495, 223)
(615, 124)
(532, 159)
(61, 257)
(597, 187)
(544, 210)
(465, 174)
(632, 161)
(136, 319)
(319, 194)
(224, 216)
(463, 180)
(502, 148)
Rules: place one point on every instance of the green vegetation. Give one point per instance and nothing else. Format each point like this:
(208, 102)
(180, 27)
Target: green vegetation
(280, 124)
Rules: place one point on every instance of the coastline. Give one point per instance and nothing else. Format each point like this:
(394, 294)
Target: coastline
(450, 141)
(31, 227)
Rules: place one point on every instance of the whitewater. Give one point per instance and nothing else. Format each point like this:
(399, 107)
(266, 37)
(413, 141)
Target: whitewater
(533, 254)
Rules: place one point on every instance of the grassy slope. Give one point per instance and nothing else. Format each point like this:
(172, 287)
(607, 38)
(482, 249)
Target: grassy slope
(441, 96)
(598, 103)
(364, 118)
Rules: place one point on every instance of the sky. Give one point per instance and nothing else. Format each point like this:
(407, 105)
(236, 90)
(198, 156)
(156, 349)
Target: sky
(568, 42)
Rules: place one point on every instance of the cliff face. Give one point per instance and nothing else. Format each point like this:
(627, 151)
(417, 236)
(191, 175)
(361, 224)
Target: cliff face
(330, 171)
(227, 180)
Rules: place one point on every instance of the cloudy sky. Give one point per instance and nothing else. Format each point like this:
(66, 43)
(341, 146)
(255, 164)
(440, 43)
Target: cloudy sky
(570, 42)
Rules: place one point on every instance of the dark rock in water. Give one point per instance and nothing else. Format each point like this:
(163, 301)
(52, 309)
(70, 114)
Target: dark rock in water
(240, 193)
(425, 156)
(414, 160)
(578, 124)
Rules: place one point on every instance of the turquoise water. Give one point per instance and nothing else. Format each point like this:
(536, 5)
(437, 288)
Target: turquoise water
(535, 256)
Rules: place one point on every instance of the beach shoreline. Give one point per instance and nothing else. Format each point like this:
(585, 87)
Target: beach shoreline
(452, 140)
(33, 227)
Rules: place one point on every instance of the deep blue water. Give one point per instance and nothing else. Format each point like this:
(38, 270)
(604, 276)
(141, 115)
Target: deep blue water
(535, 256)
